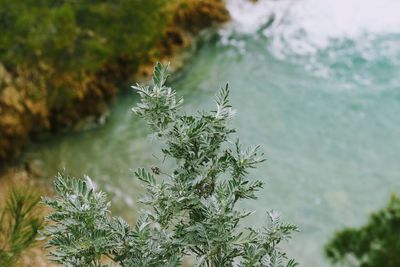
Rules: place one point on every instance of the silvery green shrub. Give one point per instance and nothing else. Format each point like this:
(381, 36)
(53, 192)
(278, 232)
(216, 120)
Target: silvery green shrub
(191, 210)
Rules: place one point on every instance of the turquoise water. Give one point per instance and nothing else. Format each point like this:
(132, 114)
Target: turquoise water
(328, 121)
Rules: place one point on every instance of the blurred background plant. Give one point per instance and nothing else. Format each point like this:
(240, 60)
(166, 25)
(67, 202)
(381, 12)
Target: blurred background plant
(20, 221)
(375, 244)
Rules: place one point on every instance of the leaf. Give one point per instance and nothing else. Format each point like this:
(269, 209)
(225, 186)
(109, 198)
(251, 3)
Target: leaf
(145, 176)
(160, 74)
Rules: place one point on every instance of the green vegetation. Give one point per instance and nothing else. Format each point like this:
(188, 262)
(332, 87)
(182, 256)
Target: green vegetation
(78, 36)
(60, 60)
(376, 244)
(191, 209)
(20, 221)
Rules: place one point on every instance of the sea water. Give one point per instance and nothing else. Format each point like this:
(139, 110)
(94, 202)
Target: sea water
(315, 82)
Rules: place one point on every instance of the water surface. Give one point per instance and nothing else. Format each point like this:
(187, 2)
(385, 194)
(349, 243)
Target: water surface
(318, 87)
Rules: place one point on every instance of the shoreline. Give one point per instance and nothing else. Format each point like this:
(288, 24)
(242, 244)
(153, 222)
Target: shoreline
(87, 109)
(24, 120)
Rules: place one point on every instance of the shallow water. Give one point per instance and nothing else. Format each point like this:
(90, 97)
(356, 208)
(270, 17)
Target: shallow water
(322, 99)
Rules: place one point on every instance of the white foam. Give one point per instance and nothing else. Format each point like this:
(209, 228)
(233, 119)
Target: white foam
(318, 20)
(305, 28)
(248, 17)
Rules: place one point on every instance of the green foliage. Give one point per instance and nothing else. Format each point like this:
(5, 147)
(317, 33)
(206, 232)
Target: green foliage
(19, 225)
(78, 35)
(376, 244)
(192, 209)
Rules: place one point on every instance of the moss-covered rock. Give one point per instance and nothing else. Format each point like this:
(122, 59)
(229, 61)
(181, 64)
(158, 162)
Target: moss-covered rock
(194, 16)
(59, 64)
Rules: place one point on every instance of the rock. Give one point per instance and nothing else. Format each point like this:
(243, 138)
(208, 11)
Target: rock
(39, 99)
(197, 15)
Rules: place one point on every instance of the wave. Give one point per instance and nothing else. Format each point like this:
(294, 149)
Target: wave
(328, 37)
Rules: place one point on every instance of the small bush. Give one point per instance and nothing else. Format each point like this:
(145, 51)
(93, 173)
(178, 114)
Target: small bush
(376, 244)
(192, 209)
(20, 221)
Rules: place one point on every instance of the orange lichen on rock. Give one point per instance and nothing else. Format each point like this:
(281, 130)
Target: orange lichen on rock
(197, 15)
(34, 101)
(187, 17)
(44, 98)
